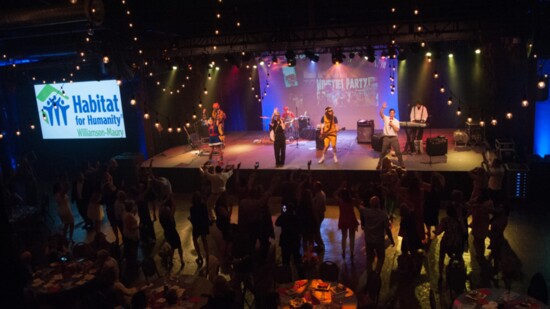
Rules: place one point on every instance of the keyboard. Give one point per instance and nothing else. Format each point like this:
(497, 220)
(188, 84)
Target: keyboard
(411, 124)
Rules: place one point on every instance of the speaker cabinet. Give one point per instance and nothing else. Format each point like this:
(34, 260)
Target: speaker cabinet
(436, 146)
(377, 140)
(319, 143)
(365, 130)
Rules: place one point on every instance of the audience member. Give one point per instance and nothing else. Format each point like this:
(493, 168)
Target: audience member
(376, 225)
(168, 223)
(201, 225)
(347, 221)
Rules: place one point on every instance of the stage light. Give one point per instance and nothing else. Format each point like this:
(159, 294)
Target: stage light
(541, 84)
(436, 75)
(337, 56)
(509, 115)
(311, 56)
(442, 89)
(450, 101)
(290, 55)
(451, 55)
(370, 56)
(274, 60)
(524, 102)
(494, 121)
(428, 54)
(458, 111)
(478, 51)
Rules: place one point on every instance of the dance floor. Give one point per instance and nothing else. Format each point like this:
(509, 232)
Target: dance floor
(251, 147)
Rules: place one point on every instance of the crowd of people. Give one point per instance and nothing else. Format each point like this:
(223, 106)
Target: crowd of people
(398, 196)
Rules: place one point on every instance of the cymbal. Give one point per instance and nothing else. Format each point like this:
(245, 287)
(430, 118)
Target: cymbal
(264, 117)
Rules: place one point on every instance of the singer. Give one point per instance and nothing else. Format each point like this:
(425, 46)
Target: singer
(277, 125)
(391, 127)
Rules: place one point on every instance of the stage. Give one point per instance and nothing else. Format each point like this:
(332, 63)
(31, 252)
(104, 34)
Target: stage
(354, 159)
(251, 147)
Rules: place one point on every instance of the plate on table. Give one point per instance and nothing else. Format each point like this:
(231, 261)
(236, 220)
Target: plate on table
(475, 295)
(297, 302)
(323, 286)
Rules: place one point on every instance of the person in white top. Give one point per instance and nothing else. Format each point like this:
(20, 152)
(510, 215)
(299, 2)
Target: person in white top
(218, 180)
(419, 113)
(391, 127)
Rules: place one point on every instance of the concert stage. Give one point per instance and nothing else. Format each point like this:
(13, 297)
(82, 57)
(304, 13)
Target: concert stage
(180, 164)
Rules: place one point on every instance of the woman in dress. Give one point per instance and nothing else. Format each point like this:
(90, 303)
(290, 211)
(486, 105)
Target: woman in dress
(347, 221)
(64, 209)
(201, 225)
(168, 223)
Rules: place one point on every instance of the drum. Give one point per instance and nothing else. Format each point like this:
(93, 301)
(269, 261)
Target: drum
(303, 122)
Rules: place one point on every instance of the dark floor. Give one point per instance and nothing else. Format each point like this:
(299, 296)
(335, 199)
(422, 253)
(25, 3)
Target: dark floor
(527, 234)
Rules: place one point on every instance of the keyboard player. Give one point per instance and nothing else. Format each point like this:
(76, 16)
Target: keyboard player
(419, 114)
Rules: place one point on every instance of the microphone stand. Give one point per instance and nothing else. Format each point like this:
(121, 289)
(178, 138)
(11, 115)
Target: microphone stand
(297, 138)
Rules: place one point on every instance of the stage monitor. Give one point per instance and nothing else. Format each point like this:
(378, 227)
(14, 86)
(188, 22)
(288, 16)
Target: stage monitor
(81, 110)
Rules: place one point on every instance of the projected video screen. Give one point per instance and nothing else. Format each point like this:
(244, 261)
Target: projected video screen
(80, 110)
(355, 89)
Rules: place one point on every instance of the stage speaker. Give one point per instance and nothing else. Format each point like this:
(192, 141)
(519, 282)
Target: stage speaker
(377, 140)
(436, 146)
(365, 129)
(319, 143)
(129, 164)
(307, 133)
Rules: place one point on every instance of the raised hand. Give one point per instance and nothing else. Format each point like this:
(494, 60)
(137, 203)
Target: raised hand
(384, 105)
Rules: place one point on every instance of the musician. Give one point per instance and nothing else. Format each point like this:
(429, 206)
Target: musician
(214, 138)
(419, 114)
(389, 139)
(277, 125)
(329, 128)
(219, 118)
(288, 116)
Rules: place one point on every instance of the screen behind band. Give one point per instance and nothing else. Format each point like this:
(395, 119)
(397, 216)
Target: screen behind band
(355, 89)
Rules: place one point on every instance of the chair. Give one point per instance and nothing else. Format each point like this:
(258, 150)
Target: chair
(328, 271)
(538, 289)
(282, 274)
(149, 268)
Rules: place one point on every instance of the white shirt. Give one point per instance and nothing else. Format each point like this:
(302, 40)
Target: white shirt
(388, 130)
(419, 113)
(218, 181)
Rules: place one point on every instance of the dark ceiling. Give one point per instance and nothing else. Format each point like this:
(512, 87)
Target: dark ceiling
(57, 28)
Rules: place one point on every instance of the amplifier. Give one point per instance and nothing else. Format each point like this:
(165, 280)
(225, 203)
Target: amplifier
(319, 143)
(365, 130)
(436, 146)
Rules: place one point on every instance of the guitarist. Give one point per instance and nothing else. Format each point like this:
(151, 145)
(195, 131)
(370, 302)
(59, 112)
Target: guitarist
(329, 128)
(277, 125)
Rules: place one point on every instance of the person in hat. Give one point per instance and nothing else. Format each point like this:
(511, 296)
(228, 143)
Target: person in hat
(329, 128)
(219, 117)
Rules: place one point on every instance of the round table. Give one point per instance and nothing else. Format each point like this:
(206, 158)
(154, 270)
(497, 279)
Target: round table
(189, 289)
(489, 298)
(62, 277)
(320, 294)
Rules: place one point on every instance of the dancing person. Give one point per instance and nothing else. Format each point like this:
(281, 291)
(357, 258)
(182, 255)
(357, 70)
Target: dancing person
(168, 224)
(198, 215)
(219, 117)
(278, 127)
(419, 114)
(347, 222)
(376, 225)
(319, 208)
(391, 127)
(218, 181)
(329, 128)
(214, 139)
(64, 209)
(452, 242)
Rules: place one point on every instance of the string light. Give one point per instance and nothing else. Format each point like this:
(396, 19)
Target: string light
(524, 102)
(458, 111)
(18, 133)
(494, 121)
(133, 101)
(469, 119)
(442, 89)
(450, 101)
(481, 123)
(436, 75)
(32, 126)
(509, 115)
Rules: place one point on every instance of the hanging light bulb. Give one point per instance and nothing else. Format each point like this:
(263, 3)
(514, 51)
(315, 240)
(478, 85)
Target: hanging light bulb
(157, 123)
(494, 121)
(200, 104)
(469, 119)
(145, 115)
(436, 75)
(481, 123)
(32, 126)
(18, 133)
(205, 91)
(187, 124)
(169, 129)
(178, 129)
(133, 101)
(119, 82)
(450, 101)
(458, 111)
(509, 115)
(194, 116)
(1, 135)
(524, 102)
(442, 89)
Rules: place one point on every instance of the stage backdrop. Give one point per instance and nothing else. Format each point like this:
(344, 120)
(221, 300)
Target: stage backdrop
(355, 89)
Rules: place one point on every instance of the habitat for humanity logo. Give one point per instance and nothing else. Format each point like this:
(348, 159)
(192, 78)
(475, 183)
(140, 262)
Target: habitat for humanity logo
(54, 108)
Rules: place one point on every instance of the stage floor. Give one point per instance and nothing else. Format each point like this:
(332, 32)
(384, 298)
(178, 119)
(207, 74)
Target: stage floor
(250, 147)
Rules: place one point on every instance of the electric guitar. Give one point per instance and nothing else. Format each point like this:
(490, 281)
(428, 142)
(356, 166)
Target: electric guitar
(322, 136)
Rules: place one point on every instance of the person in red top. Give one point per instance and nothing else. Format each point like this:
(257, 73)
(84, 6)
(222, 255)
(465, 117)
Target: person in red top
(219, 117)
